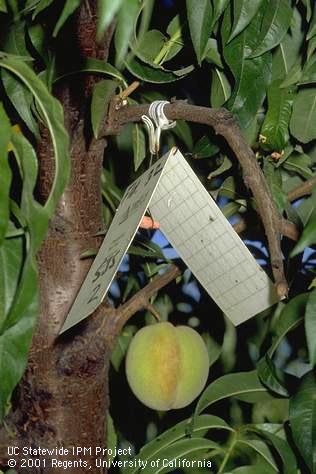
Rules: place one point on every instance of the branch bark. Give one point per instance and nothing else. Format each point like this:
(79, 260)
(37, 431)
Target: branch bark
(223, 124)
(302, 190)
(141, 299)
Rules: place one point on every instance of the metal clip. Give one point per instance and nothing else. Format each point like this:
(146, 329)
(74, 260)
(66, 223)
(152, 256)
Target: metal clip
(156, 118)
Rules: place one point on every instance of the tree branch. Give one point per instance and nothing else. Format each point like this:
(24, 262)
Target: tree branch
(141, 299)
(303, 189)
(223, 124)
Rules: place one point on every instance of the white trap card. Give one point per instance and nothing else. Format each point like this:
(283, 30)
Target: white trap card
(196, 228)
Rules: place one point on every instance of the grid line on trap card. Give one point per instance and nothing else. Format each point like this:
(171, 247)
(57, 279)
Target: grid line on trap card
(207, 243)
(196, 228)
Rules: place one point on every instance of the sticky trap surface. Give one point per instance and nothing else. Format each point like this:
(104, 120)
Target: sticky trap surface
(196, 228)
(208, 244)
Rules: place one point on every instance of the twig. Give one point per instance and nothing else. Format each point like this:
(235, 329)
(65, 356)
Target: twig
(141, 299)
(289, 229)
(302, 189)
(129, 90)
(224, 124)
(151, 308)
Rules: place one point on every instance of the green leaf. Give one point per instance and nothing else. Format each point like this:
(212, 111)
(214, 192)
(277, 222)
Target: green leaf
(13, 41)
(310, 326)
(175, 42)
(14, 345)
(311, 47)
(17, 329)
(293, 77)
(308, 5)
(42, 5)
(106, 11)
(284, 451)
(244, 11)
(312, 27)
(251, 75)
(306, 208)
(5, 175)
(11, 257)
(304, 106)
(164, 306)
(101, 96)
(200, 24)
(132, 284)
(275, 23)
(270, 376)
(204, 148)
(258, 468)
(212, 54)
(228, 188)
(290, 317)
(214, 350)
(226, 165)
(36, 215)
(241, 384)
(37, 37)
(96, 66)
(230, 210)
(155, 75)
(111, 438)
(262, 449)
(154, 448)
(151, 268)
(139, 145)
(150, 46)
(302, 414)
(177, 450)
(220, 88)
(21, 98)
(121, 345)
(307, 238)
(124, 28)
(52, 113)
(69, 7)
(3, 6)
(275, 127)
(300, 164)
(218, 8)
(183, 131)
(274, 179)
(288, 52)
(229, 344)
(309, 73)
(146, 249)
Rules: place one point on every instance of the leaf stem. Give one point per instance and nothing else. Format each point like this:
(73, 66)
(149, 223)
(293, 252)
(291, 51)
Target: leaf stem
(228, 453)
(166, 47)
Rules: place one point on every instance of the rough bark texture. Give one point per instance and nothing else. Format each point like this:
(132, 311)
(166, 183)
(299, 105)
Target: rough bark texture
(63, 397)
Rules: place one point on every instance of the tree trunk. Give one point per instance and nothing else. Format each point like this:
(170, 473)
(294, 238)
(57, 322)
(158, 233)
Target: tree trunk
(63, 398)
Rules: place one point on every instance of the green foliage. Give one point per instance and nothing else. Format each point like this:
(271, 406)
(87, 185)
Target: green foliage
(251, 75)
(257, 59)
(302, 419)
(304, 106)
(244, 11)
(275, 128)
(200, 21)
(310, 326)
(5, 179)
(101, 96)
